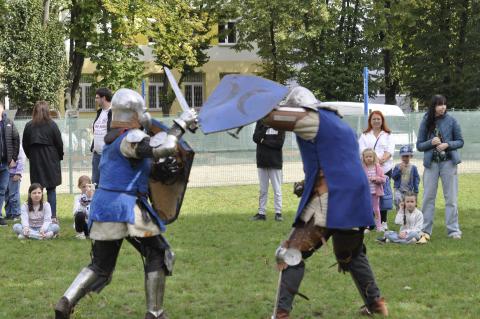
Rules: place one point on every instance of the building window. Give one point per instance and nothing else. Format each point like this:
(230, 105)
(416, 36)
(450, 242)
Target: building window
(222, 74)
(193, 85)
(156, 94)
(227, 33)
(87, 93)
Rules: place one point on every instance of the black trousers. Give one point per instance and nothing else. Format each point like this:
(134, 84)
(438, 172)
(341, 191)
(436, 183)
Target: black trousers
(351, 255)
(105, 253)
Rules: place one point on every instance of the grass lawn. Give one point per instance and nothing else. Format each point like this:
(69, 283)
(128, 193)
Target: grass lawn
(225, 266)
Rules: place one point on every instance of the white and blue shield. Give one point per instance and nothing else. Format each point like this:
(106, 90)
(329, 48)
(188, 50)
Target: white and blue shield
(239, 100)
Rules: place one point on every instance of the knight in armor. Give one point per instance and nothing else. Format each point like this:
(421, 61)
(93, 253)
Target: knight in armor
(335, 201)
(120, 208)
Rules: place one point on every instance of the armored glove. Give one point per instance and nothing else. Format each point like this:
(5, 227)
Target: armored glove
(188, 120)
(167, 170)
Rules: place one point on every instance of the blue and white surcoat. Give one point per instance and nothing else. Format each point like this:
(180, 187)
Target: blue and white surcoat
(122, 183)
(335, 151)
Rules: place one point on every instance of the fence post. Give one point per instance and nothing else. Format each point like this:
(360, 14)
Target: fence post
(70, 143)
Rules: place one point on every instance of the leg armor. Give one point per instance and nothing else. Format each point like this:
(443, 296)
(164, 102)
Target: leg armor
(93, 278)
(306, 239)
(158, 263)
(351, 256)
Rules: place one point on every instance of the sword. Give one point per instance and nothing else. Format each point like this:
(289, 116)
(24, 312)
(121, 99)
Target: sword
(181, 99)
(277, 297)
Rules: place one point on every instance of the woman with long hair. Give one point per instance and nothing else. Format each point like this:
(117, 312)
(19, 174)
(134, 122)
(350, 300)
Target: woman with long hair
(439, 137)
(42, 143)
(377, 136)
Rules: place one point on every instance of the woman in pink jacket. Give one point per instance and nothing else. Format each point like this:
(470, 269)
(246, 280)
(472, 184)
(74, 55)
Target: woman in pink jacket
(376, 179)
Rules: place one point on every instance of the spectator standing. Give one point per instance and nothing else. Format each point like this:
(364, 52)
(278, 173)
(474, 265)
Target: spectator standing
(101, 125)
(269, 165)
(43, 146)
(12, 195)
(439, 137)
(9, 148)
(405, 176)
(36, 217)
(378, 137)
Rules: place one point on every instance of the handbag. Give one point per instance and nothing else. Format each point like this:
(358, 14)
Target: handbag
(386, 201)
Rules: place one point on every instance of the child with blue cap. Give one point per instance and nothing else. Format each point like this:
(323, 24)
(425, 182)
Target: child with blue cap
(405, 176)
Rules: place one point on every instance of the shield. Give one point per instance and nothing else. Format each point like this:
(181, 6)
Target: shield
(167, 197)
(239, 100)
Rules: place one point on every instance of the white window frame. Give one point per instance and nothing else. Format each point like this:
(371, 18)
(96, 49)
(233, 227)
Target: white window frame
(193, 85)
(82, 102)
(158, 89)
(225, 41)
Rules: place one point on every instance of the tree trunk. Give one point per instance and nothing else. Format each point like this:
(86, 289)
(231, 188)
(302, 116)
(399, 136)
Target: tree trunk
(46, 12)
(274, 46)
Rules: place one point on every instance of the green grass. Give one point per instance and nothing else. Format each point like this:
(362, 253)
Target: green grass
(225, 266)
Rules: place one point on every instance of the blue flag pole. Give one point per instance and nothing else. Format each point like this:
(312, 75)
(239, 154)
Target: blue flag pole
(143, 89)
(365, 95)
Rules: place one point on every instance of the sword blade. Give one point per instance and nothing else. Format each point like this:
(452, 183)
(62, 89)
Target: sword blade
(178, 93)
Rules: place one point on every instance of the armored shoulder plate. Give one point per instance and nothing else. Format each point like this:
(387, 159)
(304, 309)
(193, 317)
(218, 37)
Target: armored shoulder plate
(135, 136)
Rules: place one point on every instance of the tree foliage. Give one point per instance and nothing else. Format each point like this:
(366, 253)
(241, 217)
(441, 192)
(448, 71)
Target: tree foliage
(32, 56)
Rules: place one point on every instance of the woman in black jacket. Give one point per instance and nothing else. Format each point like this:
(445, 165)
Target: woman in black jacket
(42, 143)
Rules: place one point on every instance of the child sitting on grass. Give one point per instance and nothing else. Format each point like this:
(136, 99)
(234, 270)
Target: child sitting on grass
(81, 206)
(36, 217)
(411, 219)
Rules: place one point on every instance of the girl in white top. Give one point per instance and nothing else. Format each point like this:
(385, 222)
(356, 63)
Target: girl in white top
(378, 137)
(36, 217)
(411, 220)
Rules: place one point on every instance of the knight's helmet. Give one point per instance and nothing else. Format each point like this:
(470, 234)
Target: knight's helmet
(301, 97)
(128, 110)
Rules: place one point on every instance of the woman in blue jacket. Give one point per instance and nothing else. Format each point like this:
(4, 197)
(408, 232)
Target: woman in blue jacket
(439, 137)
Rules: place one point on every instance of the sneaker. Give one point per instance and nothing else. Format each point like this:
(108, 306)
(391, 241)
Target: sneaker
(259, 217)
(422, 240)
(278, 217)
(381, 239)
(3, 222)
(80, 236)
(20, 236)
(366, 231)
(456, 236)
(384, 226)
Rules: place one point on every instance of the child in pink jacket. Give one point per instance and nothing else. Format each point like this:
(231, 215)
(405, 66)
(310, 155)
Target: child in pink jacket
(376, 179)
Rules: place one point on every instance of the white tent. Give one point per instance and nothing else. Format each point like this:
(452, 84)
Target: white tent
(357, 108)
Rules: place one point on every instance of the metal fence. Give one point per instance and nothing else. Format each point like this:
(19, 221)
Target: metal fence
(223, 160)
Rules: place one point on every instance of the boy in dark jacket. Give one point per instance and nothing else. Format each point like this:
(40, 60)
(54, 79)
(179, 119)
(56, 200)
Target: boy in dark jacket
(405, 176)
(269, 163)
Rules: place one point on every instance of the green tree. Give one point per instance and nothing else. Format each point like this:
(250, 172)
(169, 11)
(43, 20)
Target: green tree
(442, 53)
(32, 55)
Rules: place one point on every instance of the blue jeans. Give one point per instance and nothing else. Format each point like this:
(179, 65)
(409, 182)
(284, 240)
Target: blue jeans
(4, 177)
(52, 200)
(446, 172)
(95, 168)
(35, 231)
(12, 198)
(394, 238)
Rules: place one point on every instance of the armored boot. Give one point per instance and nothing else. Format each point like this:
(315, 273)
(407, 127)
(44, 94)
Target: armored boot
(379, 306)
(154, 291)
(282, 314)
(82, 284)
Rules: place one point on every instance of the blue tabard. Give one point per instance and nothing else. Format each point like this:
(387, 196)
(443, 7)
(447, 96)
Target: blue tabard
(119, 187)
(335, 151)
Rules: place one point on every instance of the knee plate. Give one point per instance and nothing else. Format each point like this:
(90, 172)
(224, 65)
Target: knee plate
(306, 238)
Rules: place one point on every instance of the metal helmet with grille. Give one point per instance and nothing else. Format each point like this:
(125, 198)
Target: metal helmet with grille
(128, 109)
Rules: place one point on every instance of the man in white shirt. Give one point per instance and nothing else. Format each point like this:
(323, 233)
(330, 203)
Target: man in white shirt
(101, 125)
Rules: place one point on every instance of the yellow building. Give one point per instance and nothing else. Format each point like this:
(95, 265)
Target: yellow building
(196, 87)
